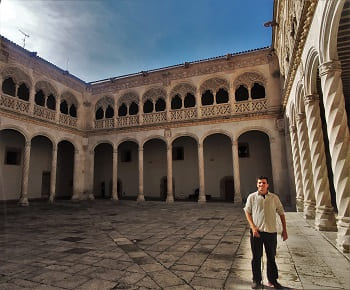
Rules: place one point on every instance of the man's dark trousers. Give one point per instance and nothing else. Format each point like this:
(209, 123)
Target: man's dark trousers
(269, 240)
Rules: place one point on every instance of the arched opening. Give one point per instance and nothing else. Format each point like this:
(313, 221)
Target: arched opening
(227, 189)
(73, 111)
(128, 169)
(103, 169)
(23, 92)
(190, 101)
(258, 91)
(65, 169)
(185, 167)
(148, 107)
(40, 168)
(155, 167)
(176, 103)
(254, 160)
(241, 94)
(51, 102)
(122, 110)
(99, 114)
(9, 87)
(160, 105)
(109, 112)
(39, 98)
(221, 96)
(133, 109)
(64, 107)
(11, 163)
(207, 98)
(217, 151)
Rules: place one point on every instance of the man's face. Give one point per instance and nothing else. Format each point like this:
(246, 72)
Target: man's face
(262, 186)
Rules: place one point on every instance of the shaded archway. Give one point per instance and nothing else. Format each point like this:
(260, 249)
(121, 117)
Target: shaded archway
(11, 163)
(155, 167)
(103, 168)
(65, 169)
(217, 163)
(254, 160)
(128, 165)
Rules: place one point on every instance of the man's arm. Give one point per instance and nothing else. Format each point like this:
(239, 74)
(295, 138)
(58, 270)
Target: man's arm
(284, 227)
(255, 230)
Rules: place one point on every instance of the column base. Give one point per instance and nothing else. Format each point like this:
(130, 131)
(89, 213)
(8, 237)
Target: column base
(202, 199)
(115, 198)
(343, 236)
(51, 199)
(140, 198)
(325, 220)
(169, 199)
(299, 205)
(309, 211)
(23, 201)
(91, 196)
(76, 196)
(237, 198)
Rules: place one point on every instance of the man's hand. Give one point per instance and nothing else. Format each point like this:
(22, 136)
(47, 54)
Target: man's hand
(255, 231)
(284, 235)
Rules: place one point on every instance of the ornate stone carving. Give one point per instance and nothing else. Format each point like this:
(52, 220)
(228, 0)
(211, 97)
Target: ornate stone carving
(249, 79)
(128, 98)
(214, 85)
(154, 94)
(104, 102)
(69, 98)
(46, 87)
(17, 75)
(182, 90)
(330, 66)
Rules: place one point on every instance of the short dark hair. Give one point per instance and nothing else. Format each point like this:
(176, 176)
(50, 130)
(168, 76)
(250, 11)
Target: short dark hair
(263, 177)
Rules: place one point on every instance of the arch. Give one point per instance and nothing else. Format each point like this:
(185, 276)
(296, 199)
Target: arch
(9, 86)
(217, 131)
(154, 94)
(17, 75)
(122, 110)
(182, 89)
(39, 98)
(214, 84)
(241, 93)
(128, 98)
(160, 105)
(73, 111)
(99, 114)
(189, 101)
(47, 87)
(184, 134)
(70, 140)
(51, 102)
(152, 137)
(148, 106)
(176, 102)
(222, 96)
(103, 141)
(255, 128)
(127, 139)
(133, 109)
(23, 92)
(310, 71)
(70, 98)
(109, 113)
(257, 91)
(17, 129)
(299, 98)
(207, 98)
(44, 134)
(248, 79)
(104, 102)
(64, 107)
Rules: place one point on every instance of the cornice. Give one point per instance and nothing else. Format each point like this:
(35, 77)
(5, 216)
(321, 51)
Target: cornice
(303, 31)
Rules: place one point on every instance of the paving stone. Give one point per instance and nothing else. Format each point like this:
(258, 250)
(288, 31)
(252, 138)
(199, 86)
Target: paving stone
(97, 284)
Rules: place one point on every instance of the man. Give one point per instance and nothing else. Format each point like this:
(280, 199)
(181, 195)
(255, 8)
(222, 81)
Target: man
(260, 211)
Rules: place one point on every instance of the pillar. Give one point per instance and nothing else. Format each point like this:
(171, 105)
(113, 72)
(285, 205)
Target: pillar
(324, 218)
(306, 171)
(170, 194)
(92, 173)
(339, 145)
(76, 176)
(297, 169)
(236, 173)
(25, 174)
(201, 197)
(115, 175)
(140, 197)
(199, 104)
(53, 173)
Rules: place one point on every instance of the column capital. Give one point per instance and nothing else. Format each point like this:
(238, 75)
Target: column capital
(27, 143)
(309, 99)
(329, 66)
(54, 147)
(234, 143)
(293, 128)
(115, 151)
(140, 149)
(200, 145)
(300, 117)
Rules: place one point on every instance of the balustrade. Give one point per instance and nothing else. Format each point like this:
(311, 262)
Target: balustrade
(44, 113)
(157, 117)
(14, 104)
(183, 114)
(126, 121)
(68, 120)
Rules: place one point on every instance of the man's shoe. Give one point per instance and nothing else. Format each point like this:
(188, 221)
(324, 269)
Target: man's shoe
(256, 285)
(275, 285)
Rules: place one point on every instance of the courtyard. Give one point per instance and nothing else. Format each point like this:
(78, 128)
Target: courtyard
(102, 244)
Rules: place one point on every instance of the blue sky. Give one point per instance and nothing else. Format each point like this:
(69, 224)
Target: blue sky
(98, 39)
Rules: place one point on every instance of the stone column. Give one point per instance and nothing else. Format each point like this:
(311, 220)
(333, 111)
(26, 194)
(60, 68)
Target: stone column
(25, 174)
(92, 173)
(170, 194)
(339, 145)
(324, 218)
(232, 99)
(199, 104)
(306, 171)
(58, 109)
(236, 173)
(76, 176)
(140, 111)
(140, 197)
(115, 175)
(53, 173)
(31, 100)
(202, 197)
(297, 169)
(168, 107)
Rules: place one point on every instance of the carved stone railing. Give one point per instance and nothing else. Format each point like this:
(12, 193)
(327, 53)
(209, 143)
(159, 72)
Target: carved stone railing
(104, 124)
(157, 117)
(44, 113)
(126, 121)
(183, 114)
(14, 104)
(68, 120)
(252, 106)
(216, 110)
(99, 124)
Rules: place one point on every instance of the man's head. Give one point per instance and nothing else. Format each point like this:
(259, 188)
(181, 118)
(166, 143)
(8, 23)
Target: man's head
(262, 183)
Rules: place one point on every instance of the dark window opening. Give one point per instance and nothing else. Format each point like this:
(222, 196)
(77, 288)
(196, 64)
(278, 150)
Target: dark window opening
(178, 153)
(13, 156)
(221, 96)
(258, 91)
(126, 156)
(241, 93)
(190, 101)
(133, 109)
(148, 107)
(9, 87)
(160, 105)
(243, 150)
(176, 103)
(207, 98)
(51, 102)
(122, 111)
(109, 112)
(23, 92)
(73, 111)
(64, 107)
(99, 114)
(40, 98)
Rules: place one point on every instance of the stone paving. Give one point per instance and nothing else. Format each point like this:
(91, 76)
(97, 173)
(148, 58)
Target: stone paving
(101, 244)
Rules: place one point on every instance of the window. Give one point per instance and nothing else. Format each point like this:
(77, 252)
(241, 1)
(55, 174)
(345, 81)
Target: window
(40, 98)
(109, 112)
(160, 105)
(73, 111)
(190, 101)
(64, 107)
(243, 150)
(176, 103)
(207, 98)
(51, 102)
(13, 156)
(148, 107)
(99, 114)
(241, 93)
(133, 109)
(126, 156)
(23, 92)
(9, 87)
(258, 91)
(221, 96)
(178, 153)
(122, 110)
